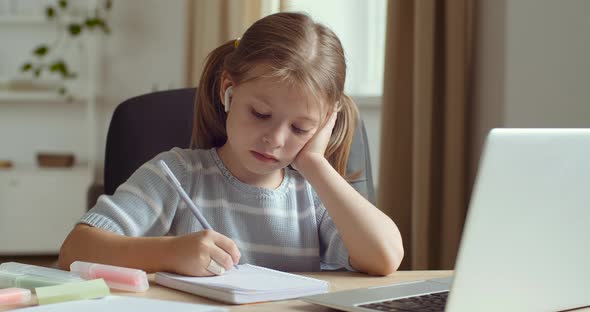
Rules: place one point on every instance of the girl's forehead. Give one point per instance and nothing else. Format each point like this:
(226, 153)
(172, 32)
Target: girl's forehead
(269, 74)
(272, 88)
(273, 92)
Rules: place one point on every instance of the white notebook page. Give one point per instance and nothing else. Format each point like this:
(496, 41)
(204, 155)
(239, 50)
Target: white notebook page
(250, 278)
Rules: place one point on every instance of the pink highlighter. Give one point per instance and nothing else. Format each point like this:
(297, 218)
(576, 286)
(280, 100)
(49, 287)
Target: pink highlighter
(116, 277)
(10, 296)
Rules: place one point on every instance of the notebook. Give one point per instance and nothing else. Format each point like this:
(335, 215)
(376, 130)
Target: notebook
(249, 283)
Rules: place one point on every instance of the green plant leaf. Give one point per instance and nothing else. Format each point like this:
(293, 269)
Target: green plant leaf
(26, 67)
(62, 90)
(91, 22)
(74, 29)
(63, 4)
(41, 50)
(62, 67)
(37, 72)
(50, 12)
(58, 66)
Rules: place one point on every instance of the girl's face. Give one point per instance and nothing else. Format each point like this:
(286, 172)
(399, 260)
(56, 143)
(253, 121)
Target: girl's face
(268, 123)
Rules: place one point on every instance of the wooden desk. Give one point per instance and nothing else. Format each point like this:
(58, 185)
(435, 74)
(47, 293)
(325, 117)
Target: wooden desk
(338, 281)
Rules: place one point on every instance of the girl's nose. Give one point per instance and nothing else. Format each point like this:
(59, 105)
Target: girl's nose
(275, 137)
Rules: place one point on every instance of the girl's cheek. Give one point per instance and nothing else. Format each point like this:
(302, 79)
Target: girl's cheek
(293, 147)
(300, 142)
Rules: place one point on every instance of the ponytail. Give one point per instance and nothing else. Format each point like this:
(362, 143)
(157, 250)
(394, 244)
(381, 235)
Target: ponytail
(209, 115)
(341, 140)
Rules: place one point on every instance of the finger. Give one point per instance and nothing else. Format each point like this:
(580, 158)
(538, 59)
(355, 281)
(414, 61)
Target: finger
(331, 122)
(333, 117)
(215, 268)
(221, 257)
(200, 269)
(229, 246)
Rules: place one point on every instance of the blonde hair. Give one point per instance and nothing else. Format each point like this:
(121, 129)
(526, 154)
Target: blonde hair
(296, 50)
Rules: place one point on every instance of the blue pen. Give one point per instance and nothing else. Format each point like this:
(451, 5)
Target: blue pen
(170, 176)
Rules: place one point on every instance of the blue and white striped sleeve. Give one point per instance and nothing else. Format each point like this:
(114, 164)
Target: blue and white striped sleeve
(333, 253)
(146, 203)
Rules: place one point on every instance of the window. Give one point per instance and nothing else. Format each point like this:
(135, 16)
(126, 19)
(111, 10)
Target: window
(360, 25)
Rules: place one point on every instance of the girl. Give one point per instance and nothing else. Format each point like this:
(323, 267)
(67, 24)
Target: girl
(274, 129)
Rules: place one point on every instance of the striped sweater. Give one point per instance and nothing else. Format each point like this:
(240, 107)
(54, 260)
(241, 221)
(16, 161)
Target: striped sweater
(286, 228)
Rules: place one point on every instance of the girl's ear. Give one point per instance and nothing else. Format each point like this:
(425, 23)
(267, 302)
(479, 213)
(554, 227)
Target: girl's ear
(227, 97)
(226, 90)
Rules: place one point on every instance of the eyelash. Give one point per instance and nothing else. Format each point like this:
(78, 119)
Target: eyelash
(299, 131)
(259, 115)
(296, 130)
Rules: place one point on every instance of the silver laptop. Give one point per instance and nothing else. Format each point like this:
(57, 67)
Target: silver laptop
(526, 241)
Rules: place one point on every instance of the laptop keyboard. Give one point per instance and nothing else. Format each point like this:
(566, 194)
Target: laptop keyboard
(425, 303)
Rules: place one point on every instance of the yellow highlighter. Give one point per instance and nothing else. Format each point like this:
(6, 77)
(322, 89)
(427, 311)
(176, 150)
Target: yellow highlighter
(72, 291)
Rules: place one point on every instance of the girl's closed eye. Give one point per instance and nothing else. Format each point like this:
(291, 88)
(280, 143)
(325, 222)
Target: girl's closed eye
(259, 115)
(298, 130)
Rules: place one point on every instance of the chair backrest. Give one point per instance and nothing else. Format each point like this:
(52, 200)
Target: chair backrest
(146, 125)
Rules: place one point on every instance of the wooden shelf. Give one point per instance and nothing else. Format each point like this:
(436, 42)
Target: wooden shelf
(23, 20)
(27, 169)
(35, 96)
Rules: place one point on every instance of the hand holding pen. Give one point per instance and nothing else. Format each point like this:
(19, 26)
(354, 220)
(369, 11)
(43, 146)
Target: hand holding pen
(222, 246)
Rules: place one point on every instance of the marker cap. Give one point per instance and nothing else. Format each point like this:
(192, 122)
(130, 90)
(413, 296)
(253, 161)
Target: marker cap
(116, 277)
(49, 273)
(28, 281)
(11, 296)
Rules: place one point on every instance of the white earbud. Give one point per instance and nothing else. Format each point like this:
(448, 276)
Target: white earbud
(228, 93)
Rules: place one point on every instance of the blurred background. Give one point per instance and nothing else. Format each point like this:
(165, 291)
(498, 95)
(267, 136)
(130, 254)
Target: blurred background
(431, 78)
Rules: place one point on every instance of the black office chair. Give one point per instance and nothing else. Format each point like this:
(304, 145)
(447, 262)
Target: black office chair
(146, 125)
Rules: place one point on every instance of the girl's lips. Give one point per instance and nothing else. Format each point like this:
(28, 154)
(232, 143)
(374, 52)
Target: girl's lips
(264, 157)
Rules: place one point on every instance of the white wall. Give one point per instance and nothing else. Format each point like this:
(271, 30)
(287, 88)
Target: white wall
(547, 63)
(532, 66)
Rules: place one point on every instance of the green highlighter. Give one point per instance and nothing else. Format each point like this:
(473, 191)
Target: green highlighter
(72, 291)
(20, 275)
(28, 281)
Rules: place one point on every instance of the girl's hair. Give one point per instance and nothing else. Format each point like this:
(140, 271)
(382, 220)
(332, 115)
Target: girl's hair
(295, 50)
